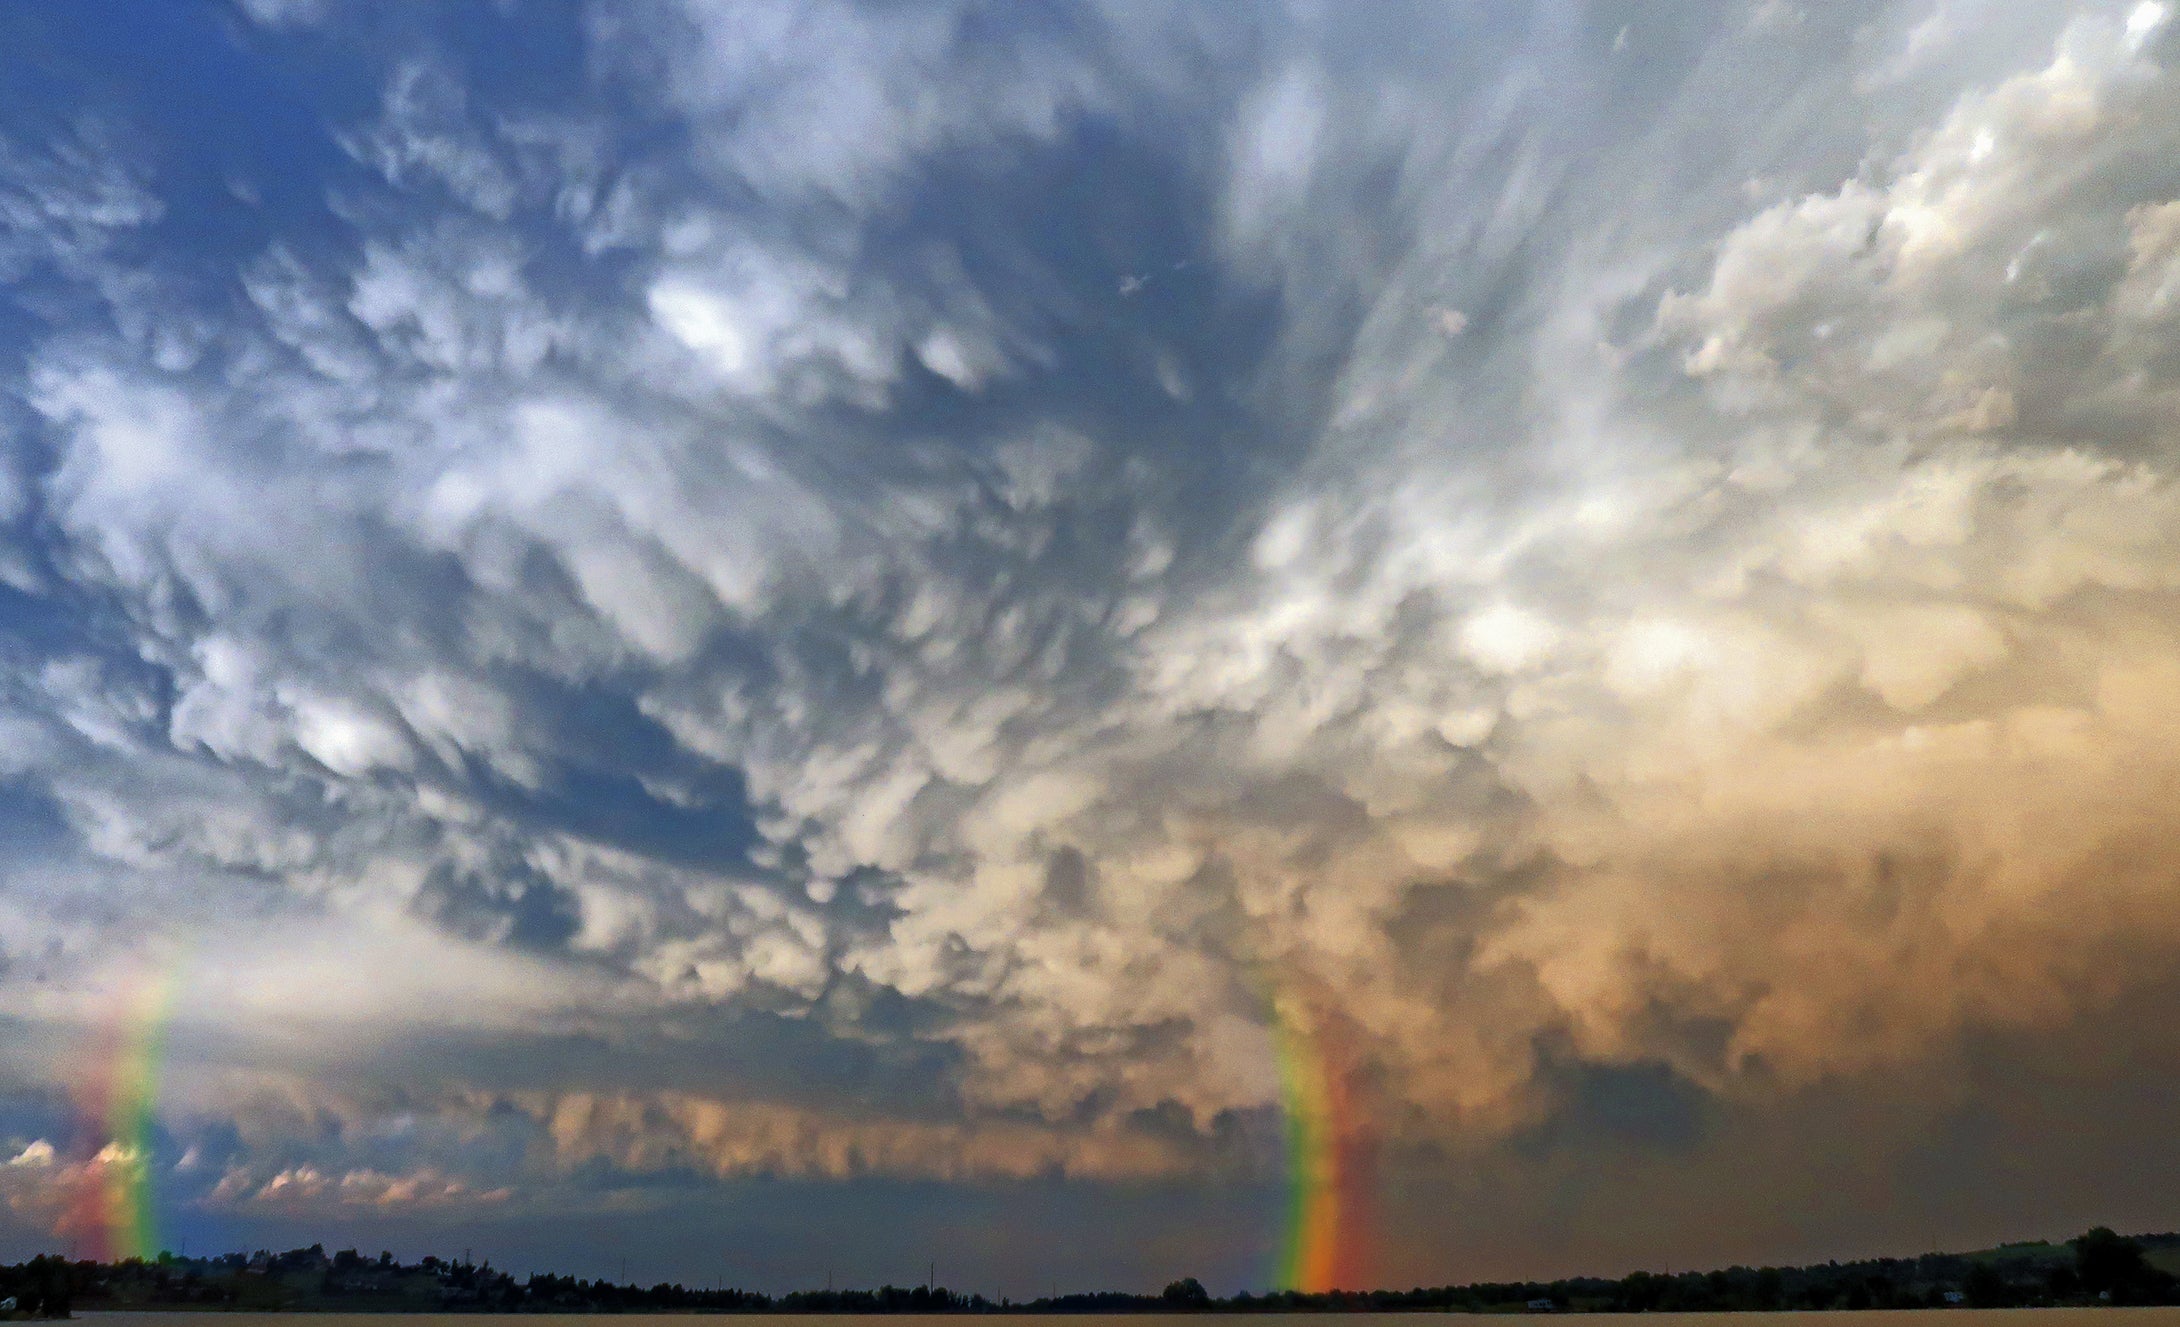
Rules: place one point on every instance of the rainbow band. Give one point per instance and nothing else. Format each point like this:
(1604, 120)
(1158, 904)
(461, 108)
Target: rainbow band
(1326, 1236)
(132, 1213)
(1313, 1217)
(116, 1208)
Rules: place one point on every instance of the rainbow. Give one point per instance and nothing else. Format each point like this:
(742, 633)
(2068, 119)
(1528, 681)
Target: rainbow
(1327, 1239)
(114, 1209)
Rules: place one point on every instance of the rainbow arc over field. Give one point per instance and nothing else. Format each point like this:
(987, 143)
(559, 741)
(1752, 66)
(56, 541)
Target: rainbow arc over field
(1329, 1227)
(114, 1209)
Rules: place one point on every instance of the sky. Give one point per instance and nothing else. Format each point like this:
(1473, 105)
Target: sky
(780, 641)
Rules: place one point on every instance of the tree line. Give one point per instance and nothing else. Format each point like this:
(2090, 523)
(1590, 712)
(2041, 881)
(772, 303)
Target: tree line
(2098, 1267)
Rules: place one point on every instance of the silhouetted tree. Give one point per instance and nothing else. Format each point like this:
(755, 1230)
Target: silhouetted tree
(1186, 1293)
(1986, 1289)
(2108, 1263)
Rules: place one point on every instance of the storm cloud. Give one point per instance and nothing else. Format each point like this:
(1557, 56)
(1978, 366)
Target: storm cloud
(638, 600)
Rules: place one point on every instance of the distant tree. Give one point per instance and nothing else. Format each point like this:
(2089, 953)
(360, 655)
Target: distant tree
(1986, 1289)
(1186, 1293)
(2063, 1282)
(49, 1288)
(2108, 1263)
(1638, 1292)
(1770, 1288)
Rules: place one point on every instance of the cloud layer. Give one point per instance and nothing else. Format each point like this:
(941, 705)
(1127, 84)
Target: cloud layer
(883, 594)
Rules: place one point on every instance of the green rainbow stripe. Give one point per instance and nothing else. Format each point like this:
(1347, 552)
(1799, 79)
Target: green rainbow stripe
(1325, 1233)
(132, 1204)
(1312, 1215)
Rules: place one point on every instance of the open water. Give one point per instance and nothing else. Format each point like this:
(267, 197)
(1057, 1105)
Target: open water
(2149, 1317)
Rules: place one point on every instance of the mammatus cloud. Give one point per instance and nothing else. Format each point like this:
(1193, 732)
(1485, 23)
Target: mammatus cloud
(673, 622)
(656, 1131)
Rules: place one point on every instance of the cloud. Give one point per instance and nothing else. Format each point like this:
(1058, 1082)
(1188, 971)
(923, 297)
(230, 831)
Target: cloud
(680, 593)
(423, 132)
(73, 199)
(285, 13)
(299, 1188)
(65, 1194)
(737, 1138)
(37, 1152)
(840, 99)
